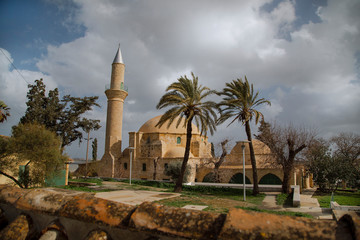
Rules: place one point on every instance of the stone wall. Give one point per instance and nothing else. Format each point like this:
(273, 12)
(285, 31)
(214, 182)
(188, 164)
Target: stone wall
(226, 173)
(40, 213)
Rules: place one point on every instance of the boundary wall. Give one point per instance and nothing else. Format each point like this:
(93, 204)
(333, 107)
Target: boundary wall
(50, 213)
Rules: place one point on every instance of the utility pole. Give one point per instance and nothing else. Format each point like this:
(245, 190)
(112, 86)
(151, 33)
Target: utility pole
(87, 153)
(244, 178)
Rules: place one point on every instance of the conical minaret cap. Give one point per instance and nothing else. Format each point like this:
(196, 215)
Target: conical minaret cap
(118, 57)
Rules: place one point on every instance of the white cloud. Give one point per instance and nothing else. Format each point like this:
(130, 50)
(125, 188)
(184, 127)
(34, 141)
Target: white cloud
(309, 79)
(14, 87)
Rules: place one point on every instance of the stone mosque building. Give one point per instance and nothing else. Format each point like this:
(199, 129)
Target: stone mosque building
(152, 149)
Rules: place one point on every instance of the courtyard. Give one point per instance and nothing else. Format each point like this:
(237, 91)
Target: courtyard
(206, 198)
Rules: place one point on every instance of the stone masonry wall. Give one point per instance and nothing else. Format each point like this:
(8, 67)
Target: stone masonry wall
(63, 214)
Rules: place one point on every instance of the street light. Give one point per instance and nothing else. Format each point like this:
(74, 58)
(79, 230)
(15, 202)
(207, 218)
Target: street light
(130, 148)
(243, 149)
(87, 153)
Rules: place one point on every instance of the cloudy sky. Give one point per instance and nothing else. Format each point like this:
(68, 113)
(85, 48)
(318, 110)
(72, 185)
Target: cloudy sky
(304, 56)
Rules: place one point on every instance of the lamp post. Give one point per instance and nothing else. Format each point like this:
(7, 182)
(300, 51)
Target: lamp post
(87, 153)
(131, 149)
(243, 153)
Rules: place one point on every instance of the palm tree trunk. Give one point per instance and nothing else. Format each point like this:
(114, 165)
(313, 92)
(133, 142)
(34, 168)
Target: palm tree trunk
(252, 158)
(179, 182)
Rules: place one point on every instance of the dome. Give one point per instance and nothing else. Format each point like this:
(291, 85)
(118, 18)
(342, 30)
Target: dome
(149, 127)
(176, 152)
(259, 147)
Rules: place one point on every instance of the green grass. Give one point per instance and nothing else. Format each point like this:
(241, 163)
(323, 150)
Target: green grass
(342, 198)
(98, 181)
(222, 192)
(181, 202)
(281, 198)
(216, 209)
(205, 191)
(83, 189)
(284, 199)
(155, 184)
(218, 199)
(110, 179)
(297, 214)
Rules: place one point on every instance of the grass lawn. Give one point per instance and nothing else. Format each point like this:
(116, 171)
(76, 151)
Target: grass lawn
(297, 214)
(342, 198)
(284, 199)
(84, 189)
(218, 199)
(98, 181)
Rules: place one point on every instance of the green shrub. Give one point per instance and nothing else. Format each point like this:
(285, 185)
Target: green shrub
(173, 171)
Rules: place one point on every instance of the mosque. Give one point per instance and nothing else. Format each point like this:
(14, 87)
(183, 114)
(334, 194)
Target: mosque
(151, 149)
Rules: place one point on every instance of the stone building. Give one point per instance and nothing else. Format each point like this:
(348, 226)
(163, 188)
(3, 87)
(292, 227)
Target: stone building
(231, 171)
(152, 149)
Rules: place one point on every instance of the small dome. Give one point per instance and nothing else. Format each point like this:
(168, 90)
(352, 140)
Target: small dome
(149, 127)
(176, 152)
(259, 148)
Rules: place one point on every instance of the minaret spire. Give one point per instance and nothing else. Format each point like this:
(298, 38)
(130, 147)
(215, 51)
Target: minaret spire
(118, 56)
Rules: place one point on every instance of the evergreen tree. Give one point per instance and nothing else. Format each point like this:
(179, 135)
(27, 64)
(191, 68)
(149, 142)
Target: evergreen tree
(64, 117)
(34, 146)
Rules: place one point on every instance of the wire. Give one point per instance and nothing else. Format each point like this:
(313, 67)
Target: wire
(14, 66)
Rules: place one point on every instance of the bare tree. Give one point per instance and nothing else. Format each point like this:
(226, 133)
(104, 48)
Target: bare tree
(217, 160)
(221, 159)
(286, 143)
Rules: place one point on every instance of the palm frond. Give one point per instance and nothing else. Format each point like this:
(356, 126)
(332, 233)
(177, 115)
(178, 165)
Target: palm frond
(186, 99)
(239, 101)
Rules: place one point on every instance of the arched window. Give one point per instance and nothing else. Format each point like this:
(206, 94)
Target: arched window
(210, 177)
(270, 179)
(178, 140)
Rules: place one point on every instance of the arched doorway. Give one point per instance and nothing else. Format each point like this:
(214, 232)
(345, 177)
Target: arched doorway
(238, 178)
(210, 177)
(270, 179)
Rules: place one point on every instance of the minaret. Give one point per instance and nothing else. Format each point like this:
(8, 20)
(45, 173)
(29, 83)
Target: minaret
(116, 95)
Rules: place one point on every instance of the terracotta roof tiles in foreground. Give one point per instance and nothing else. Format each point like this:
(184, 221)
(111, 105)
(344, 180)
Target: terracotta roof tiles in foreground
(65, 214)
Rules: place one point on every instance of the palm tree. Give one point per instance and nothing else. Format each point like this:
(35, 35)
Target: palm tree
(186, 99)
(239, 101)
(4, 111)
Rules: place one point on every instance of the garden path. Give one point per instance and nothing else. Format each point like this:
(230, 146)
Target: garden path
(308, 205)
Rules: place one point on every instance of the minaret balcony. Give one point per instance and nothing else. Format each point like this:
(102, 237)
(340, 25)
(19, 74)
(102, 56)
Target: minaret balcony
(122, 87)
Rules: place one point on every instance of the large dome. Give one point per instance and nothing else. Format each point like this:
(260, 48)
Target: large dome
(149, 127)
